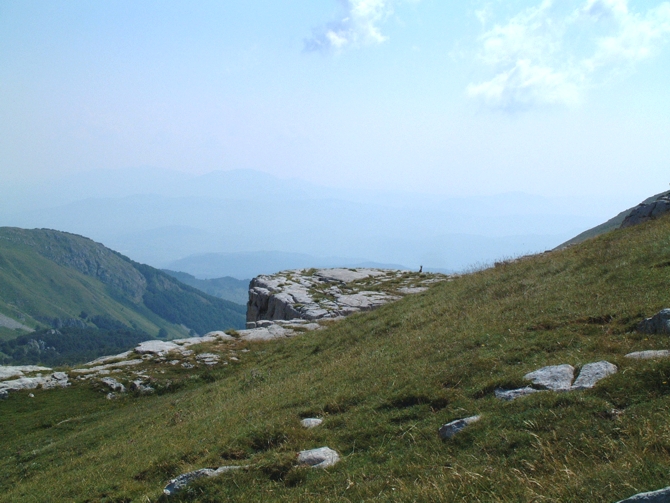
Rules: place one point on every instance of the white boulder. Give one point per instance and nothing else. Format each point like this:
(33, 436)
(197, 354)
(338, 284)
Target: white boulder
(323, 457)
(311, 422)
(554, 377)
(591, 373)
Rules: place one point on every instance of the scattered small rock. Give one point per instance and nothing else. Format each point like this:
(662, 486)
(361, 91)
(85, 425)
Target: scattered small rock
(113, 384)
(31, 395)
(513, 394)
(111, 396)
(177, 484)
(208, 358)
(657, 324)
(660, 496)
(3, 394)
(187, 365)
(140, 387)
(323, 457)
(311, 422)
(591, 373)
(649, 355)
(450, 429)
(554, 377)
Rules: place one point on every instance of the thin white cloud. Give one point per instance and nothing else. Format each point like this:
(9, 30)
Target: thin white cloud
(359, 25)
(554, 52)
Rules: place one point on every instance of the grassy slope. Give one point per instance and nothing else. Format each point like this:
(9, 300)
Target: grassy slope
(385, 381)
(609, 226)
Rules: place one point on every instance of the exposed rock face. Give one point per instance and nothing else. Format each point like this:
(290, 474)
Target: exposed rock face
(450, 429)
(660, 496)
(649, 211)
(323, 457)
(20, 370)
(327, 293)
(7, 322)
(657, 324)
(55, 380)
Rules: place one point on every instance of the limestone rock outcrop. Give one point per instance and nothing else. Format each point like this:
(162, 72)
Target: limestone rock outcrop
(328, 293)
(647, 211)
(657, 324)
(660, 496)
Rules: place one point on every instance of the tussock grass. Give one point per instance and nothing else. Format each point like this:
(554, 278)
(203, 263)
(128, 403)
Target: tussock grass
(384, 382)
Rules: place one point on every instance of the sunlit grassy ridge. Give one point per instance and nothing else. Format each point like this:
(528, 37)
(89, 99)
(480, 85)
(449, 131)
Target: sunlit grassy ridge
(384, 382)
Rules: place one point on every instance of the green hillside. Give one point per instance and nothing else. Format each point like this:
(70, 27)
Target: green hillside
(384, 382)
(56, 279)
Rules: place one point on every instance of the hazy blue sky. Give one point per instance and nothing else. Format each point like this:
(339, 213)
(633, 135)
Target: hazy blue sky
(469, 97)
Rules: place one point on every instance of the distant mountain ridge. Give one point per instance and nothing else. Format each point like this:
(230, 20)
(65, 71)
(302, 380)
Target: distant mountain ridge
(227, 288)
(244, 265)
(159, 217)
(57, 279)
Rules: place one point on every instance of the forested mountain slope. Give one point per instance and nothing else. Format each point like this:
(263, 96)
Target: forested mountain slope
(61, 280)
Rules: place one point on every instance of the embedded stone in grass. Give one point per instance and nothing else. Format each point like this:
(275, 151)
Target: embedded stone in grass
(657, 324)
(660, 496)
(513, 394)
(591, 373)
(177, 484)
(207, 358)
(411, 290)
(649, 355)
(140, 387)
(113, 384)
(3, 394)
(554, 377)
(323, 457)
(311, 422)
(450, 429)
